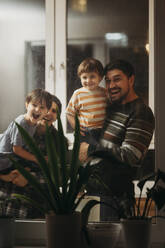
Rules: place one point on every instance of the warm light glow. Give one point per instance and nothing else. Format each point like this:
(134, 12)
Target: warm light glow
(147, 47)
(79, 5)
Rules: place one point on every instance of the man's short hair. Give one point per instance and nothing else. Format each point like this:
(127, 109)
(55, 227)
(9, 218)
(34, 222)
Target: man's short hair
(90, 65)
(122, 65)
(40, 96)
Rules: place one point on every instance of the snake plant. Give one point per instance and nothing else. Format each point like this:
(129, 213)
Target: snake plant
(63, 183)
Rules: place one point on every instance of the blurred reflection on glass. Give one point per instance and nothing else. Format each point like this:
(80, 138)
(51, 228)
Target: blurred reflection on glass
(108, 30)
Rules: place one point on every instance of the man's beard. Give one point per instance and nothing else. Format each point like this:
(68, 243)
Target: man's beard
(118, 100)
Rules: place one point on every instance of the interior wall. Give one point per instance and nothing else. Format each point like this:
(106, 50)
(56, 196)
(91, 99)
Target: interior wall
(20, 21)
(158, 229)
(160, 82)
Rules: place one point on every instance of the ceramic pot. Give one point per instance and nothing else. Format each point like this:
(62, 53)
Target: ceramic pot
(7, 232)
(136, 233)
(103, 234)
(63, 230)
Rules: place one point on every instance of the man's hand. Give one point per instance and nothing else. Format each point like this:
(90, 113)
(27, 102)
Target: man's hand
(83, 151)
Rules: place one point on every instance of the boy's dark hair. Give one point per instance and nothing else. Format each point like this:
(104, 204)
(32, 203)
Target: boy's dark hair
(90, 65)
(57, 101)
(122, 65)
(40, 95)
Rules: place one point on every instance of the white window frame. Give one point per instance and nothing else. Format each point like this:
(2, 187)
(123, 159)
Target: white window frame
(33, 232)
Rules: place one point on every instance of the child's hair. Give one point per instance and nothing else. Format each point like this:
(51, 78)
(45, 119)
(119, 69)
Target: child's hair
(57, 101)
(90, 65)
(40, 96)
(121, 65)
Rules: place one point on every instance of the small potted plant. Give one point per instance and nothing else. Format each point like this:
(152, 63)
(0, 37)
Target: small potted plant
(62, 186)
(134, 216)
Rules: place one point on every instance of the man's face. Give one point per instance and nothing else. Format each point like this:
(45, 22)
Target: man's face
(119, 87)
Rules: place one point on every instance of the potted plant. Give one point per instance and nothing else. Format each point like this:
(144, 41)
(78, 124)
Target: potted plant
(134, 216)
(7, 228)
(62, 185)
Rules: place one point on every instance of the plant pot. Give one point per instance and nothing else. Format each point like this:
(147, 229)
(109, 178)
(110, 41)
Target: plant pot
(7, 231)
(136, 233)
(103, 234)
(63, 230)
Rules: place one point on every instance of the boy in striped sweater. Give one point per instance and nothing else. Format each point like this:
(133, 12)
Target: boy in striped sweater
(89, 101)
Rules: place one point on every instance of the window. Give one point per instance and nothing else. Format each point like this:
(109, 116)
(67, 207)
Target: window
(56, 73)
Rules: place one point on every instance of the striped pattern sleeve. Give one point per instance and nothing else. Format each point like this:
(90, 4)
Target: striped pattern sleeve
(126, 137)
(72, 107)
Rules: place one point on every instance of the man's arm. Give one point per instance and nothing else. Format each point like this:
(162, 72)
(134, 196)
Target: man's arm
(127, 144)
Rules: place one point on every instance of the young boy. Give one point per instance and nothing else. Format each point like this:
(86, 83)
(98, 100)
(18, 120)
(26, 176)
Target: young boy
(89, 102)
(38, 102)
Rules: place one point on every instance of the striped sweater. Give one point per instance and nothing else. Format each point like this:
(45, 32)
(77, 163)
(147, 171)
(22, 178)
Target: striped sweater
(89, 105)
(127, 133)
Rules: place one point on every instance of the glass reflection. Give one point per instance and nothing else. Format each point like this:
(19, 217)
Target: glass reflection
(108, 30)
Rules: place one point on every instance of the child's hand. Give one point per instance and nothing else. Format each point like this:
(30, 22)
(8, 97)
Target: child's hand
(18, 179)
(83, 153)
(8, 177)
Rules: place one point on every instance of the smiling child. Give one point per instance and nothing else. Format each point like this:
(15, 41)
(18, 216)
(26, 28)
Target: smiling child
(89, 102)
(38, 102)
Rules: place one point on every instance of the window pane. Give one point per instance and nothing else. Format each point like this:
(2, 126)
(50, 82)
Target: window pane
(108, 30)
(22, 30)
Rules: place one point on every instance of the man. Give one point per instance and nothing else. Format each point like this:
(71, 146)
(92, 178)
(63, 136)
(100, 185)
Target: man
(126, 134)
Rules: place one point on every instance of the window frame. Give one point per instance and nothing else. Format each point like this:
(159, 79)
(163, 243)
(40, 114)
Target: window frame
(56, 76)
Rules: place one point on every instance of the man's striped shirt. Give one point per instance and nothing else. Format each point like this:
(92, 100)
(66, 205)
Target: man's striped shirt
(127, 133)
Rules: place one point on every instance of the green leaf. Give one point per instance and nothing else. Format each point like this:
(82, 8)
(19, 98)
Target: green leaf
(53, 162)
(84, 174)
(55, 172)
(31, 202)
(33, 181)
(62, 155)
(42, 163)
(75, 164)
(36, 152)
(142, 181)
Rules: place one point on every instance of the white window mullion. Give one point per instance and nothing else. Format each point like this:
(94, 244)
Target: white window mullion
(151, 61)
(60, 55)
(151, 54)
(50, 46)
